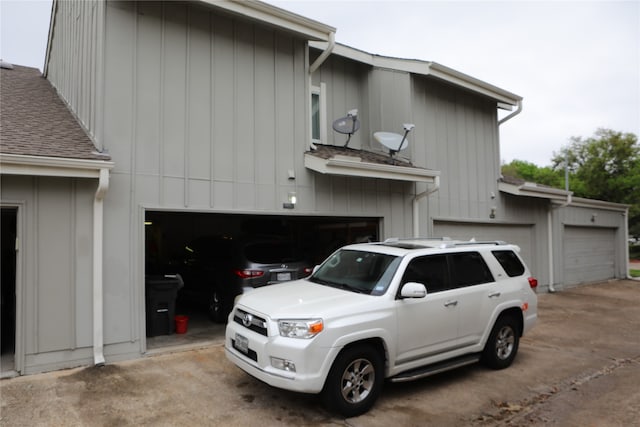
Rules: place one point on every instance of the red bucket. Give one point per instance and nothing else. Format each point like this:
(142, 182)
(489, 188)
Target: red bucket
(181, 324)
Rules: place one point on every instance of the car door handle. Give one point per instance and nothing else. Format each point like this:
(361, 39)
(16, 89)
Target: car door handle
(450, 303)
(495, 294)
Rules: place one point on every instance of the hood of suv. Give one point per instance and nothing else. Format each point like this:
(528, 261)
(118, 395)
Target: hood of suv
(300, 298)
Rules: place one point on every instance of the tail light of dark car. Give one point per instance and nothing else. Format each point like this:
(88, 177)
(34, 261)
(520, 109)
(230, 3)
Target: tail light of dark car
(533, 282)
(248, 274)
(307, 271)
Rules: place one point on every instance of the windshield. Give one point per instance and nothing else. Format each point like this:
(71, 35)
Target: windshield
(357, 271)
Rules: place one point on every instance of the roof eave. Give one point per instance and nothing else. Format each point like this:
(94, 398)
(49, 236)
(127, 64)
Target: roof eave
(426, 68)
(350, 166)
(16, 164)
(532, 190)
(272, 15)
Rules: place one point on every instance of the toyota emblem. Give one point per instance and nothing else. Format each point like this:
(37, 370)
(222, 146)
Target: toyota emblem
(247, 319)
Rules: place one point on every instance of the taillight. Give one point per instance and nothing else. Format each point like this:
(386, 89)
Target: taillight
(307, 271)
(248, 274)
(533, 282)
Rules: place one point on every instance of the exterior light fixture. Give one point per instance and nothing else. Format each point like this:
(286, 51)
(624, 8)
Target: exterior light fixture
(492, 215)
(291, 201)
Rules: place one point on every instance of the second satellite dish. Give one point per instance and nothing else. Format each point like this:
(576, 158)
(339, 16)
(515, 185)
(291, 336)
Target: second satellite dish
(347, 125)
(394, 141)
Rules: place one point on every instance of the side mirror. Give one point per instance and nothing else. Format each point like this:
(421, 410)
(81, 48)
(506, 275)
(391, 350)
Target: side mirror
(413, 290)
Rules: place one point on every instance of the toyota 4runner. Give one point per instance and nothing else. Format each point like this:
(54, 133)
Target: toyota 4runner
(398, 310)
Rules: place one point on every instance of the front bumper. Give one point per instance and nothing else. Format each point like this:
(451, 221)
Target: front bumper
(312, 362)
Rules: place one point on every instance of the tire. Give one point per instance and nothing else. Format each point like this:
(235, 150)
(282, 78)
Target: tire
(354, 381)
(215, 308)
(502, 346)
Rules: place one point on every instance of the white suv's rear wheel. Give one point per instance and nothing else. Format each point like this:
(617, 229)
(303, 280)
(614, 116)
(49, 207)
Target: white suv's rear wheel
(354, 382)
(502, 345)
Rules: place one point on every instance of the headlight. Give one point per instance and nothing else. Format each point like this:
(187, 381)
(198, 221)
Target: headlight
(303, 328)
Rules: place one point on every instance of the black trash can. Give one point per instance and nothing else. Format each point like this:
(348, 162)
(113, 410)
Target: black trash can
(160, 297)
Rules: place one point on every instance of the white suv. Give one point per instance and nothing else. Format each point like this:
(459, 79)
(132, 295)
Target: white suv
(399, 309)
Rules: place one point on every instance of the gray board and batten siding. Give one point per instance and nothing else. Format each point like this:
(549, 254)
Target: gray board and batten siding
(200, 112)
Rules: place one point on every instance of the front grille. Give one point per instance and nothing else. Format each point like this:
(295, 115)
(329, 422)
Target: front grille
(250, 321)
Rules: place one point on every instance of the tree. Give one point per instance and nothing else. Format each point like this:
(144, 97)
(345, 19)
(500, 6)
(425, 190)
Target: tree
(605, 167)
(530, 172)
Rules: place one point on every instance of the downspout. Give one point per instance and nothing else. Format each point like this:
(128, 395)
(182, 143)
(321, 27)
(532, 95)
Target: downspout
(98, 231)
(626, 244)
(512, 115)
(325, 54)
(416, 205)
(552, 289)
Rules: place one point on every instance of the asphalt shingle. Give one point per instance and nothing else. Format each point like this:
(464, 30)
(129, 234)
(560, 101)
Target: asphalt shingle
(35, 121)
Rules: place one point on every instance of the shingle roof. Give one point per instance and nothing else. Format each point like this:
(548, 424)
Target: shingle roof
(328, 151)
(34, 121)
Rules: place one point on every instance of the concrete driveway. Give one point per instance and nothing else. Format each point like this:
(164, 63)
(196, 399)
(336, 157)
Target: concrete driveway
(580, 366)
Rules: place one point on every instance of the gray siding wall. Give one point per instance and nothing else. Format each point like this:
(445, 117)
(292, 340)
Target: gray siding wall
(203, 112)
(75, 60)
(457, 134)
(55, 278)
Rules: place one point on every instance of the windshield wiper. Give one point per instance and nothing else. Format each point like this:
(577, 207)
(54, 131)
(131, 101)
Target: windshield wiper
(339, 285)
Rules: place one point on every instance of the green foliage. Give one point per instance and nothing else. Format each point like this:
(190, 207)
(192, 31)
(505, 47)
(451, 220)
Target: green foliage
(530, 172)
(605, 167)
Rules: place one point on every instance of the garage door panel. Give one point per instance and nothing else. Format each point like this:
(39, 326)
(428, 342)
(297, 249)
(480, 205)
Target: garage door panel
(589, 254)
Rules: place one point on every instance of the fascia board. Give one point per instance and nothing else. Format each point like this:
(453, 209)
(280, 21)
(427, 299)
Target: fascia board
(425, 68)
(272, 15)
(347, 166)
(534, 191)
(598, 204)
(463, 80)
(11, 164)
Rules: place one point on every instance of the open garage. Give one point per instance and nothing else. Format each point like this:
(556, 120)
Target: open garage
(206, 249)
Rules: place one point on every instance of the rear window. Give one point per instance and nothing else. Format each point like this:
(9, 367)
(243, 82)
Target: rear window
(469, 269)
(270, 252)
(510, 262)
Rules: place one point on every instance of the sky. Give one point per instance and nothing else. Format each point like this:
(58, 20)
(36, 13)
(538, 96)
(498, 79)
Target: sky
(575, 63)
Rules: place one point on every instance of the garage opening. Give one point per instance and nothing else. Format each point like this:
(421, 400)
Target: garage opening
(8, 233)
(197, 263)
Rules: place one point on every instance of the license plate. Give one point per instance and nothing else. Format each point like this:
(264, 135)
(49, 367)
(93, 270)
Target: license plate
(241, 343)
(283, 277)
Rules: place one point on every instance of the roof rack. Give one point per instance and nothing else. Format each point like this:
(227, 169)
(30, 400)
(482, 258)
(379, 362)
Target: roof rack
(481, 242)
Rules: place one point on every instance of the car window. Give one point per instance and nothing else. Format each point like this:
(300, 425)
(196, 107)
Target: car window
(469, 268)
(359, 271)
(510, 262)
(431, 271)
(270, 252)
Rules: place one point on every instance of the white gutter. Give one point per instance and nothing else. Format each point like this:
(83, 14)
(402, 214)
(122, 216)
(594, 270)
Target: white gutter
(416, 205)
(325, 54)
(512, 115)
(98, 231)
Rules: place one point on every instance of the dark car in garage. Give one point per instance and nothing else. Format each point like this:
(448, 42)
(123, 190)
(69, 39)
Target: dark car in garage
(216, 269)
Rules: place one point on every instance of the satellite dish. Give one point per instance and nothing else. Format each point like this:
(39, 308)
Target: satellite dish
(347, 125)
(394, 141)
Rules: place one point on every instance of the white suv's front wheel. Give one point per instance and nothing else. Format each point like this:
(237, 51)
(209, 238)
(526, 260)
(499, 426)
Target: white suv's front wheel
(354, 381)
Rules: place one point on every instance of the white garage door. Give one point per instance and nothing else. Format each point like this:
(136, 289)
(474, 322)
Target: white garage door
(521, 235)
(589, 254)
